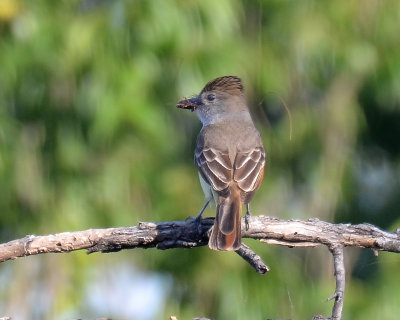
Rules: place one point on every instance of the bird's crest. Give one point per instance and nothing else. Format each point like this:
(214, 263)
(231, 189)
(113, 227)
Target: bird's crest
(229, 84)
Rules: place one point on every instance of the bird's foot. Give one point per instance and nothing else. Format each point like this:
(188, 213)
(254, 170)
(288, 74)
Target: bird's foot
(197, 220)
(247, 217)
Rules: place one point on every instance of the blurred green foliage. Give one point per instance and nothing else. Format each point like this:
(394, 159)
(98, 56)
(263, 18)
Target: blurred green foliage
(90, 138)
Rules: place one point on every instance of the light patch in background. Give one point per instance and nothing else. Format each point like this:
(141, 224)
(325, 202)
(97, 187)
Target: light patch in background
(377, 181)
(125, 292)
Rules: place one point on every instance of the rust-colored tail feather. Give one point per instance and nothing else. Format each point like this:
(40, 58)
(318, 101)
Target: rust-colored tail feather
(226, 232)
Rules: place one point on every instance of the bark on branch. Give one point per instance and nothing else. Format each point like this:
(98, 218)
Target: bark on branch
(186, 234)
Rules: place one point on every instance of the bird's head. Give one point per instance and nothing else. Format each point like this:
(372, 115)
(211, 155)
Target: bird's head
(221, 96)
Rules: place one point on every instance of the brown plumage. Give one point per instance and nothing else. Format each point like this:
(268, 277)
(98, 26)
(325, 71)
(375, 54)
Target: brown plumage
(229, 155)
(228, 84)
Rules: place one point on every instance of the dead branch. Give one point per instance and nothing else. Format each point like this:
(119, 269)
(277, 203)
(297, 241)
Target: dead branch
(340, 275)
(186, 234)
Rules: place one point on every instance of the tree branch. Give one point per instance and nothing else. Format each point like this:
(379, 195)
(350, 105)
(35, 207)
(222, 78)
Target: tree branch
(187, 234)
(340, 275)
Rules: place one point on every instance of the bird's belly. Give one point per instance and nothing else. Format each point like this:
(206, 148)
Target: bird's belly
(209, 193)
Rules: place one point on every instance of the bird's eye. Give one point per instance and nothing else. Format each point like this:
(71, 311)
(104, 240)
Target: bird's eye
(211, 97)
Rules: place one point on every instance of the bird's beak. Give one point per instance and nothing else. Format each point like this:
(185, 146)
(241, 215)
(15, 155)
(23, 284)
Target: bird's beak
(190, 104)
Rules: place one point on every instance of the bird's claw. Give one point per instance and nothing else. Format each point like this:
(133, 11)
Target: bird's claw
(197, 221)
(247, 217)
(247, 220)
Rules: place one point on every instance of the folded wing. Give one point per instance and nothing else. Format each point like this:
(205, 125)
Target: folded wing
(249, 169)
(215, 167)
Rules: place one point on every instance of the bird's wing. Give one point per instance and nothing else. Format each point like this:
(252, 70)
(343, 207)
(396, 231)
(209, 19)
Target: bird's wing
(249, 168)
(214, 166)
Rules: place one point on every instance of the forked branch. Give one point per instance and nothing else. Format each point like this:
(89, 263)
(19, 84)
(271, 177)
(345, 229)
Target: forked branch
(186, 234)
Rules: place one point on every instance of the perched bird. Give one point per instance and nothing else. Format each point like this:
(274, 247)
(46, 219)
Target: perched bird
(229, 155)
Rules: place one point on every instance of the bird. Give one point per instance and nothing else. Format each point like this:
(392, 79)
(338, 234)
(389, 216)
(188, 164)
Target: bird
(229, 155)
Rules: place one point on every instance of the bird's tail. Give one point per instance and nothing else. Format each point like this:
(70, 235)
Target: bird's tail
(226, 232)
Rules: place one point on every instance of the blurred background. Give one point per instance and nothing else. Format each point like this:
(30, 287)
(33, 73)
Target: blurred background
(90, 138)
